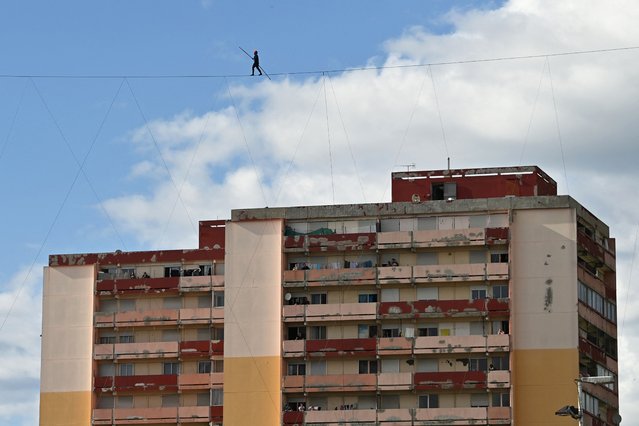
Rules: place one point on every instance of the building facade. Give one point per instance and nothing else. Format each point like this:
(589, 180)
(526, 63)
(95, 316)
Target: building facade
(475, 297)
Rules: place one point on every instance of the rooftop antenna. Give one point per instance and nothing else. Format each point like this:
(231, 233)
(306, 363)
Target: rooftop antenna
(408, 166)
(449, 164)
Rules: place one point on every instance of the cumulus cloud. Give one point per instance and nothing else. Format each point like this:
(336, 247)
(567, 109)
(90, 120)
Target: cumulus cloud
(20, 347)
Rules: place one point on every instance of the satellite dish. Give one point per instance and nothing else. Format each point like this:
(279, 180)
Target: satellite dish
(287, 296)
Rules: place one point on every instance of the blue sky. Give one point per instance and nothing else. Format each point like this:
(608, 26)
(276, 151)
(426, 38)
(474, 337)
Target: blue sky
(572, 115)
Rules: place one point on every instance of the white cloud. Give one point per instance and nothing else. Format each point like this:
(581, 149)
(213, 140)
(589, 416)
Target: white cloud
(20, 346)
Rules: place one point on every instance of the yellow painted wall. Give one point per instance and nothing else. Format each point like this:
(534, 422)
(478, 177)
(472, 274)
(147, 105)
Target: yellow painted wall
(65, 408)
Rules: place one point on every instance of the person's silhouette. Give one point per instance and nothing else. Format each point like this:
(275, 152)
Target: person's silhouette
(256, 63)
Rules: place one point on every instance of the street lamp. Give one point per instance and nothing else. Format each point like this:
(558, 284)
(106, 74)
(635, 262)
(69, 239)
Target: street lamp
(578, 412)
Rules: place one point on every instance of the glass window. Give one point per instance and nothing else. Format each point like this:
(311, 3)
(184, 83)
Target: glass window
(479, 400)
(124, 402)
(127, 370)
(318, 299)
(170, 400)
(171, 368)
(297, 369)
(367, 367)
(218, 299)
(478, 293)
(500, 291)
(367, 298)
(105, 401)
(204, 367)
(107, 340)
(365, 331)
(477, 364)
(499, 258)
(217, 397)
(390, 401)
(203, 399)
(428, 330)
(318, 368)
(318, 332)
(501, 399)
(429, 401)
(127, 338)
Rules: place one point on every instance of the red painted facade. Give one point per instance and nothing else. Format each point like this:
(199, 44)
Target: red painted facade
(420, 186)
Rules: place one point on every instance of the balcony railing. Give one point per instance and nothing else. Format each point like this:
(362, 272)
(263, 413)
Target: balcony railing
(330, 312)
(201, 283)
(131, 416)
(138, 285)
(160, 317)
(462, 344)
(341, 347)
(330, 242)
(136, 350)
(453, 380)
(463, 416)
(140, 383)
(200, 381)
(443, 308)
(498, 379)
(330, 383)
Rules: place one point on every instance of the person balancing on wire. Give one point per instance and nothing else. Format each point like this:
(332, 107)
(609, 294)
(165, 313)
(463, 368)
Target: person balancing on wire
(256, 63)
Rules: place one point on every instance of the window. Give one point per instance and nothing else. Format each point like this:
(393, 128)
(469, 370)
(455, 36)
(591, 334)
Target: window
(477, 256)
(106, 369)
(365, 331)
(427, 330)
(297, 369)
(477, 364)
(498, 257)
(105, 401)
(390, 401)
(127, 338)
(296, 333)
(218, 366)
(217, 397)
(476, 328)
(124, 402)
(478, 293)
(500, 327)
(203, 399)
(427, 365)
(218, 333)
(443, 191)
(108, 305)
(367, 298)
(318, 299)
(390, 366)
(501, 399)
(107, 340)
(391, 332)
(126, 370)
(591, 404)
(170, 400)
(429, 401)
(170, 335)
(479, 400)
(204, 367)
(171, 368)
(204, 301)
(171, 271)
(218, 299)
(204, 334)
(126, 305)
(367, 367)
(318, 368)
(172, 302)
(500, 362)
(427, 293)
(595, 301)
(318, 332)
(500, 291)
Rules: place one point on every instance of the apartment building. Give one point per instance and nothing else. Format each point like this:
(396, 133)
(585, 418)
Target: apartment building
(475, 297)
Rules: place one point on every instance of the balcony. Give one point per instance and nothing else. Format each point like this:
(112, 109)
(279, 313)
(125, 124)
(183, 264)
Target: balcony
(135, 350)
(498, 379)
(141, 383)
(442, 238)
(330, 383)
(330, 242)
(395, 274)
(330, 312)
(394, 381)
(329, 348)
(160, 317)
(592, 251)
(395, 346)
(293, 348)
(200, 283)
(443, 308)
(138, 285)
(200, 381)
(323, 277)
(201, 348)
(586, 347)
(463, 416)
(452, 380)
(460, 272)
(462, 344)
(134, 416)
